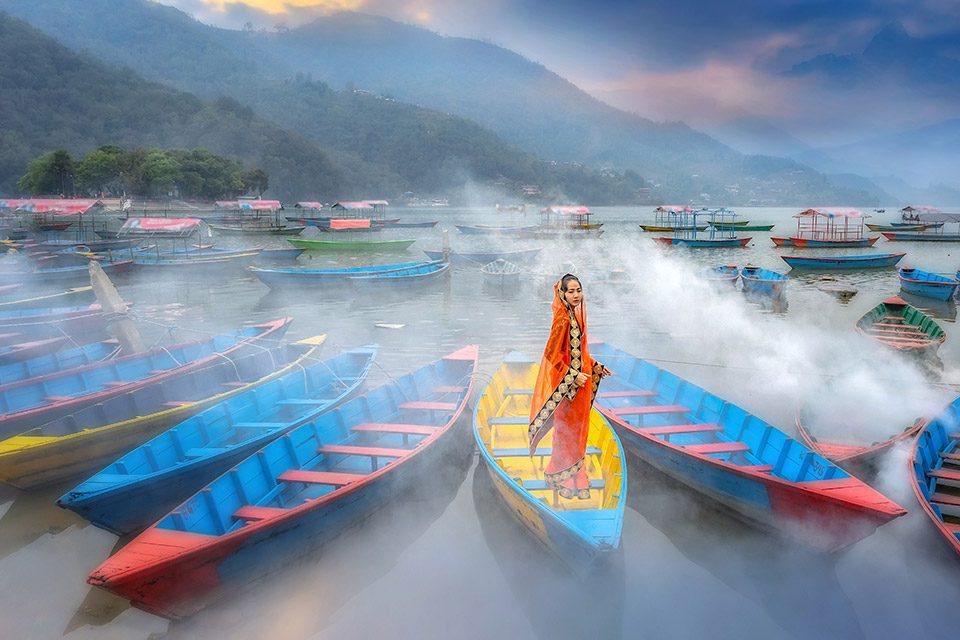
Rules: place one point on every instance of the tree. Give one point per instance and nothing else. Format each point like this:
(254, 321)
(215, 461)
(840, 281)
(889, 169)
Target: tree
(48, 174)
(100, 171)
(256, 179)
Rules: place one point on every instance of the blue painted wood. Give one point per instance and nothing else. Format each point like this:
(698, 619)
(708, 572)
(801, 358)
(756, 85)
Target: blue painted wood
(137, 488)
(935, 472)
(425, 272)
(762, 282)
(725, 273)
(926, 284)
(59, 361)
(871, 261)
(484, 257)
(277, 278)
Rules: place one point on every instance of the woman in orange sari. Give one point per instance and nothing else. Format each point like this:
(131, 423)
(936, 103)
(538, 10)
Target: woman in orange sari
(563, 395)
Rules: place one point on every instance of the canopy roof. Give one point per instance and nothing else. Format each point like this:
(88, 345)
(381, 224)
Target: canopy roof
(179, 227)
(318, 206)
(351, 223)
(832, 212)
(59, 206)
(352, 205)
(673, 208)
(569, 210)
(250, 205)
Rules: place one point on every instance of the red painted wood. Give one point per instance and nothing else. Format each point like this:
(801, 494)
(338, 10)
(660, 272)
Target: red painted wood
(899, 325)
(387, 427)
(255, 514)
(761, 468)
(429, 406)
(946, 498)
(950, 456)
(945, 474)
(718, 447)
(649, 409)
(320, 477)
(374, 452)
(703, 427)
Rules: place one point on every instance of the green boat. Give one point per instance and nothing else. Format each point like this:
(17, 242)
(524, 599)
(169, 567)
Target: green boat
(899, 326)
(392, 246)
(736, 226)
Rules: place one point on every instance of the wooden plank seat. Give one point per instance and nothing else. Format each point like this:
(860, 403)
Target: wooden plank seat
(205, 452)
(897, 318)
(945, 474)
(903, 341)
(902, 326)
(518, 392)
(626, 393)
(251, 513)
(449, 389)
(951, 456)
(897, 332)
(541, 485)
(718, 447)
(759, 468)
(395, 427)
(670, 429)
(955, 435)
(320, 477)
(422, 405)
(523, 452)
(650, 409)
(946, 498)
(953, 528)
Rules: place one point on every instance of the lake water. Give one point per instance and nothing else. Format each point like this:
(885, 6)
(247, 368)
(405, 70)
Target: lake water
(450, 561)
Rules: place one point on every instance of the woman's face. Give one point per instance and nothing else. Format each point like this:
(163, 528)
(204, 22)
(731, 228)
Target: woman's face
(574, 293)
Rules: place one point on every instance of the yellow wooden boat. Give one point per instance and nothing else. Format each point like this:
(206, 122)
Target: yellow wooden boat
(67, 447)
(579, 531)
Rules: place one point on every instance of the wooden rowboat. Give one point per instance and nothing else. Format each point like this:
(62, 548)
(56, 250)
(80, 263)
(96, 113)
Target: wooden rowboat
(296, 493)
(77, 322)
(54, 362)
(742, 462)
(704, 243)
(872, 261)
(351, 245)
(426, 272)
(280, 278)
(27, 403)
(762, 282)
(135, 490)
(92, 436)
(22, 351)
(851, 455)
(927, 285)
(935, 473)
(483, 257)
(920, 236)
(727, 274)
(897, 325)
(580, 532)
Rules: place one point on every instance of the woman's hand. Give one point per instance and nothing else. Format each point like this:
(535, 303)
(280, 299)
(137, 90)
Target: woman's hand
(581, 379)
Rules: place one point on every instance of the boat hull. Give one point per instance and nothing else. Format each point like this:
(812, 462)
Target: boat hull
(916, 283)
(933, 468)
(844, 262)
(484, 257)
(921, 237)
(386, 246)
(705, 243)
(807, 243)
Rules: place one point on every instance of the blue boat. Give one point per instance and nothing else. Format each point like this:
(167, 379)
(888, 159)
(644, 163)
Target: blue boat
(927, 285)
(580, 532)
(427, 272)
(762, 282)
(871, 261)
(279, 255)
(742, 462)
(27, 403)
(58, 361)
(295, 494)
(727, 273)
(132, 492)
(76, 274)
(278, 278)
(935, 473)
(490, 230)
(484, 257)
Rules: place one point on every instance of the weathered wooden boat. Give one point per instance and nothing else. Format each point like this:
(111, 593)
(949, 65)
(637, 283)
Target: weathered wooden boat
(935, 473)
(491, 230)
(226, 228)
(19, 352)
(94, 435)
(906, 225)
(483, 257)
(870, 261)
(501, 273)
(580, 532)
(63, 275)
(135, 490)
(897, 325)
(74, 296)
(54, 362)
(737, 459)
(204, 262)
(97, 246)
(27, 403)
(737, 226)
(727, 273)
(762, 282)
(351, 245)
(920, 236)
(855, 456)
(279, 278)
(808, 243)
(424, 273)
(927, 285)
(665, 228)
(903, 226)
(703, 243)
(296, 493)
(55, 321)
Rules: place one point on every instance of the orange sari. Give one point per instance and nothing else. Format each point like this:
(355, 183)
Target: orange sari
(559, 404)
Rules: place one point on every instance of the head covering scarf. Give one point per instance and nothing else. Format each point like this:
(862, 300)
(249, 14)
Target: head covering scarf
(557, 401)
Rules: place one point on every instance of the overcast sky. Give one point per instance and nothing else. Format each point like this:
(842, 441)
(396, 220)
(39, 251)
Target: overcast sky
(701, 61)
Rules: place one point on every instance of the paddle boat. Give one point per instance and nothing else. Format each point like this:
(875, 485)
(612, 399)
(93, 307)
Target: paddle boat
(25, 404)
(727, 273)
(895, 324)
(742, 462)
(136, 489)
(483, 257)
(762, 282)
(279, 278)
(871, 261)
(580, 532)
(286, 500)
(92, 436)
(935, 473)
(828, 227)
(927, 285)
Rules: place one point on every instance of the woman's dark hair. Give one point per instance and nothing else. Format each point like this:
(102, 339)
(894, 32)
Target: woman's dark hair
(567, 277)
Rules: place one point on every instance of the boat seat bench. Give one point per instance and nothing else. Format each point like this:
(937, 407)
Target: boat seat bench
(420, 405)
(670, 429)
(387, 427)
(541, 485)
(946, 498)
(251, 513)
(945, 474)
(319, 477)
(523, 452)
(718, 447)
(649, 409)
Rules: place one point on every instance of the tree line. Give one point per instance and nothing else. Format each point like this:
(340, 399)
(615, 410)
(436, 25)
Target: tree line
(147, 172)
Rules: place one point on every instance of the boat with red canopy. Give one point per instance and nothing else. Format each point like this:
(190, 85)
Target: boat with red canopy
(832, 227)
